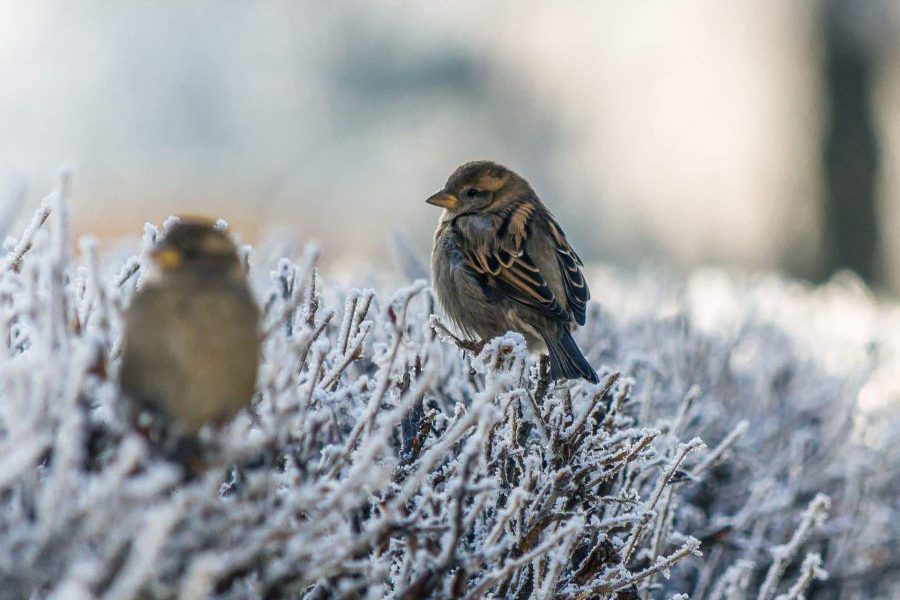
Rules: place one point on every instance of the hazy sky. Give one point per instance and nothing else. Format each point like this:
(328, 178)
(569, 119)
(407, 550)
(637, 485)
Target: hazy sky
(686, 131)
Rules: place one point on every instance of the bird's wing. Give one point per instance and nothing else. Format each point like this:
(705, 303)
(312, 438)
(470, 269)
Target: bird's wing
(501, 262)
(577, 292)
(151, 371)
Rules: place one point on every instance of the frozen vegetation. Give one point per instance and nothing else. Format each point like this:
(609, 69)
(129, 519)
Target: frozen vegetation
(739, 444)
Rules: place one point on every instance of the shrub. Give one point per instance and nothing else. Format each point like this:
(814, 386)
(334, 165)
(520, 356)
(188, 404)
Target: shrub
(380, 461)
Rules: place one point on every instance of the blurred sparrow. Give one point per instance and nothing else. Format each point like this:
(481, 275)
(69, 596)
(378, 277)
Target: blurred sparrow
(501, 263)
(191, 345)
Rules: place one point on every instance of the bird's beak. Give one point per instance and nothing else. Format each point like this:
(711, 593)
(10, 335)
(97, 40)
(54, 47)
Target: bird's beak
(166, 258)
(443, 199)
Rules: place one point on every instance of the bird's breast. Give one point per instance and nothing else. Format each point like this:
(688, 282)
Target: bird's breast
(447, 247)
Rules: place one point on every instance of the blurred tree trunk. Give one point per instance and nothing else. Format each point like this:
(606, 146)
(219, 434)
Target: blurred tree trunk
(851, 150)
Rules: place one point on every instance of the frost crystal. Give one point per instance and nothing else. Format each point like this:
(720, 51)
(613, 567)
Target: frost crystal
(381, 461)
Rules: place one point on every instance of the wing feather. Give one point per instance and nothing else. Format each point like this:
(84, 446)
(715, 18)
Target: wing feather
(577, 292)
(503, 263)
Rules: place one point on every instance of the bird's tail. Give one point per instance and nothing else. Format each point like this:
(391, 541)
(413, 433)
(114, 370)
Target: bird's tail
(566, 359)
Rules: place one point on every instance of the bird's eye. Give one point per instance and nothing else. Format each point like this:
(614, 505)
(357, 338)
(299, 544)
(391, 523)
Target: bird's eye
(472, 193)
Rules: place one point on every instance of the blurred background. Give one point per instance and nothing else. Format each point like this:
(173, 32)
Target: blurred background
(756, 134)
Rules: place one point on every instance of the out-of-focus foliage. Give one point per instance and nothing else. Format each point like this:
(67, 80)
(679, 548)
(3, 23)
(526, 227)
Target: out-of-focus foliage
(379, 461)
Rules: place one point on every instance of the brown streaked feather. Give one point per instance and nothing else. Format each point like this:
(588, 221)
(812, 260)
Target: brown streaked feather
(516, 217)
(577, 292)
(523, 283)
(502, 263)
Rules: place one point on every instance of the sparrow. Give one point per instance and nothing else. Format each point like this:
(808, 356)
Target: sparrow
(191, 344)
(500, 262)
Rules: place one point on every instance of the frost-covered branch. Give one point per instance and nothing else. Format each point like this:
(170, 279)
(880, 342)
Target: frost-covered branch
(813, 517)
(378, 461)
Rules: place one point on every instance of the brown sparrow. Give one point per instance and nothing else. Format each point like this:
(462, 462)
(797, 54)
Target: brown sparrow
(191, 345)
(501, 263)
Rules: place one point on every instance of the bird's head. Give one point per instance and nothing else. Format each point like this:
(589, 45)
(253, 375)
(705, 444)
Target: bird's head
(196, 246)
(477, 186)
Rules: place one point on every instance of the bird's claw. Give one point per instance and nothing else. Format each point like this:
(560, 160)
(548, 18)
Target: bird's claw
(473, 346)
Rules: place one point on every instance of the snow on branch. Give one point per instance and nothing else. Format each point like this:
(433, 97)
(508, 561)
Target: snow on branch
(379, 461)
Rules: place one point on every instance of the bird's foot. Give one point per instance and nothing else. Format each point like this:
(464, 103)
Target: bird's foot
(473, 346)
